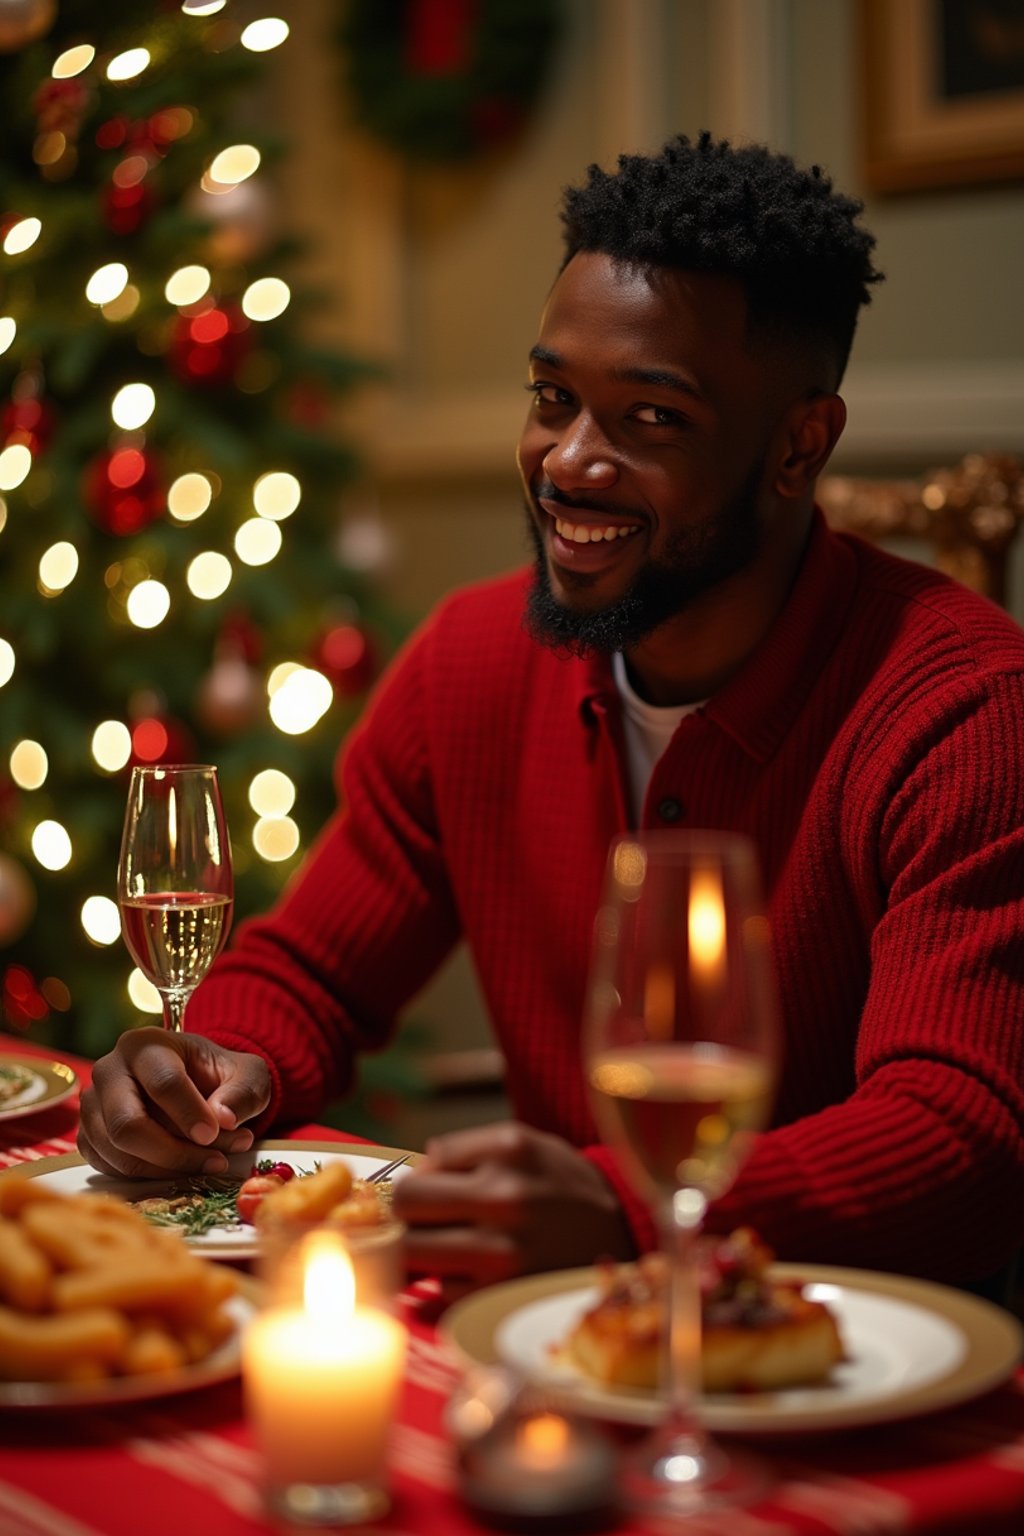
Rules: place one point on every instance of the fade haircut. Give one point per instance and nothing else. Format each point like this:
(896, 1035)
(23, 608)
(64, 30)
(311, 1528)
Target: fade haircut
(793, 242)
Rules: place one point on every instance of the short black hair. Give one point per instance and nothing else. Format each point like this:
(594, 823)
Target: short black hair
(747, 212)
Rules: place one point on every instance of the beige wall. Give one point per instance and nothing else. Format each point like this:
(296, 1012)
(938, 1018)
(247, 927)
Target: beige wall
(442, 272)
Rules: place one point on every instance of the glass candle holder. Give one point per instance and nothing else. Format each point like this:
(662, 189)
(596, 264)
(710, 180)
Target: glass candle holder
(322, 1369)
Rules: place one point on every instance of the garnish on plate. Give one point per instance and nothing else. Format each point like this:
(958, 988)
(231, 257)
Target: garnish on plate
(14, 1079)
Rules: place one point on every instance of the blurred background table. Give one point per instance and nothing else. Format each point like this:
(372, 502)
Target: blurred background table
(184, 1463)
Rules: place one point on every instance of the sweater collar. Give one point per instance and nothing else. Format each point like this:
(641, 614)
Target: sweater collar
(758, 706)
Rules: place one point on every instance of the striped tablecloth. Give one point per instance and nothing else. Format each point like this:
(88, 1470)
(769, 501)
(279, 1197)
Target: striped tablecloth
(187, 1464)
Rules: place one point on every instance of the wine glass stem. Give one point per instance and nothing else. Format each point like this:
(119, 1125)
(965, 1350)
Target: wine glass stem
(680, 1226)
(174, 1010)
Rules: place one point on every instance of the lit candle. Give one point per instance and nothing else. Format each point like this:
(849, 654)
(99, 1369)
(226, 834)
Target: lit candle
(539, 1471)
(706, 924)
(321, 1384)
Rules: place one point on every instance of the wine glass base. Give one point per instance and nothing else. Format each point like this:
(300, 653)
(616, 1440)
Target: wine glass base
(678, 1474)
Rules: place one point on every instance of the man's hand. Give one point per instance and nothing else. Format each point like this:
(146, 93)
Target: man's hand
(163, 1102)
(504, 1200)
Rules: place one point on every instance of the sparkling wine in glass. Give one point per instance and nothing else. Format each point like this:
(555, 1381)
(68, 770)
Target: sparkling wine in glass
(174, 882)
(680, 1044)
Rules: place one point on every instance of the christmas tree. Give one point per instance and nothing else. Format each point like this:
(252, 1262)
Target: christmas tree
(173, 586)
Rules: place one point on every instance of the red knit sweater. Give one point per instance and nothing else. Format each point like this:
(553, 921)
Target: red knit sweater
(872, 747)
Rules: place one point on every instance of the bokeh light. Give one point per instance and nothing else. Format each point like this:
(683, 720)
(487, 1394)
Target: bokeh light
(101, 919)
(8, 331)
(189, 497)
(234, 164)
(107, 282)
(51, 845)
(275, 838)
(22, 236)
(209, 575)
(143, 993)
(266, 298)
(303, 698)
(15, 463)
(148, 604)
(29, 764)
(132, 406)
(276, 494)
(128, 65)
(262, 35)
(271, 793)
(111, 745)
(72, 61)
(257, 541)
(6, 662)
(58, 567)
(187, 286)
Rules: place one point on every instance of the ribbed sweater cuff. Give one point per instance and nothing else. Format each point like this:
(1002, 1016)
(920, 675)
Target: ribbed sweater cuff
(638, 1215)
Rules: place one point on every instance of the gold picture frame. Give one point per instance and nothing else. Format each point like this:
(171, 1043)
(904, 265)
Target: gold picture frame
(943, 92)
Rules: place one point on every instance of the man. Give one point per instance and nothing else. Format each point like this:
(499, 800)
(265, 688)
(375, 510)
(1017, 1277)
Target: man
(700, 650)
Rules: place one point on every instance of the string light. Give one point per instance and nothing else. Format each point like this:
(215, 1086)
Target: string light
(266, 298)
(3, 514)
(143, 993)
(132, 406)
(15, 463)
(58, 568)
(232, 165)
(6, 662)
(22, 236)
(111, 745)
(187, 286)
(260, 36)
(72, 61)
(101, 920)
(8, 331)
(279, 676)
(29, 765)
(128, 65)
(107, 282)
(302, 699)
(271, 793)
(203, 7)
(209, 575)
(257, 541)
(51, 845)
(189, 497)
(148, 604)
(123, 306)
(275, 838)
(276, 494)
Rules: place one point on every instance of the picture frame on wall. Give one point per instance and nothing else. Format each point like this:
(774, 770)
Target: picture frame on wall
(943, 92)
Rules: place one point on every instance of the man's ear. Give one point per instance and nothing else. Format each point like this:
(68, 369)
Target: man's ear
(810, 432)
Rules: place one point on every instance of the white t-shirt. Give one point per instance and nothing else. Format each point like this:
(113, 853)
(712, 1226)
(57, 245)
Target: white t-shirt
(648, 730)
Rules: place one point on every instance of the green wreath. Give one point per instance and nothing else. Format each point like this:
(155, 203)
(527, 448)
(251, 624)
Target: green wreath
(447, 79)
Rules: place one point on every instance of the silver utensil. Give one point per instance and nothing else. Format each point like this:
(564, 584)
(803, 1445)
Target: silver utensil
(379, 1174)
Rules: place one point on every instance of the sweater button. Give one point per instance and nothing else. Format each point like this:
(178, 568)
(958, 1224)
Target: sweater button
(669, 810)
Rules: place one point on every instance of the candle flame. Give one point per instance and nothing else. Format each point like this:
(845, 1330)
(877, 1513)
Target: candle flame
(542, 1440)
(328, 1282)
(707, 924)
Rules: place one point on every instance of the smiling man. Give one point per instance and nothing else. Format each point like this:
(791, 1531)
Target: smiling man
(694, 647)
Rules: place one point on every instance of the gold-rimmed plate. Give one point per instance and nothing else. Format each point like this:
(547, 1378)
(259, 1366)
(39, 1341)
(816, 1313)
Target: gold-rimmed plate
(31, 1083)
(912, 1347)
(71, 1175)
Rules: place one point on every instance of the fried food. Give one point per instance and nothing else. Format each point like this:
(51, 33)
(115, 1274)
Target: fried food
(330, 1195)
(90, 1290)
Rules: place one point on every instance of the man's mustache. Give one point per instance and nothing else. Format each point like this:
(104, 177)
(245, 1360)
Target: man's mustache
(543, 490)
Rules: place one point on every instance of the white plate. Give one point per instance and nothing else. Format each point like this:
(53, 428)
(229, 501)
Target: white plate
(222, 1365)
(912, 1347)
(50, 1082)
(72, 1176)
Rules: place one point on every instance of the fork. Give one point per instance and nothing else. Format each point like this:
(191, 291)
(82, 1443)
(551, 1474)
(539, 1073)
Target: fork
(380, 1174)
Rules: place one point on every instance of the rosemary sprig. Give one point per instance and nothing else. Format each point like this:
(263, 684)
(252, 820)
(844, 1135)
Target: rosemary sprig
(212, 1206)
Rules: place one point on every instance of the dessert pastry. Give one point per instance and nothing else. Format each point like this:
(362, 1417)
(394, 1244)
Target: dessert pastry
(758, 1334)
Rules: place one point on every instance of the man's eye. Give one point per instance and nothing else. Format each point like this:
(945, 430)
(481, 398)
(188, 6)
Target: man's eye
(547, 394)
(659, 416)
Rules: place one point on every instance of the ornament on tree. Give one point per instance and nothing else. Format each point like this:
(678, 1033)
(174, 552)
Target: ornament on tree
(241, 220)
(366, 544)
(346, 656)
(22, 1002)
(127, 208)
(159, 738)
(17, 900)
(29, 421)
(60, 106)
(22, 21)
(209, 348)
(231, 695)
(123, 489)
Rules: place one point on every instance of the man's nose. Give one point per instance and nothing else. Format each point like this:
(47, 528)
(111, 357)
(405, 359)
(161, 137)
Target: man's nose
(582, 457)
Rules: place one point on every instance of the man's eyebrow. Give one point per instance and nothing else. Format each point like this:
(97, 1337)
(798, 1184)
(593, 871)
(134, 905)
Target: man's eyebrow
(545, 355)
(660, 378)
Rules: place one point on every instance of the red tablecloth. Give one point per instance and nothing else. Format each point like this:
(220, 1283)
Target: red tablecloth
(186, 1464)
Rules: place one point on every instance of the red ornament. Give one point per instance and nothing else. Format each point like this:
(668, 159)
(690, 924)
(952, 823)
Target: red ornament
(346, 657)
(208, 349)
(124, 490)
(23, 1003)
(29, 421)
(160, 739)
(239, 633)
(127, 209)
(441, 36)
(60, 105)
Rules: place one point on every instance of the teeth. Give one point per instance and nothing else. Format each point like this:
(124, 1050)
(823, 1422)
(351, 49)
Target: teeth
(583, 533)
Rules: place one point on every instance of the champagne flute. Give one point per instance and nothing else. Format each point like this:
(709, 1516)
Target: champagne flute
(680, 1044)
(174, 882)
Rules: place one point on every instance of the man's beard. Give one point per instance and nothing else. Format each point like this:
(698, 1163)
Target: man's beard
(695, 561)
